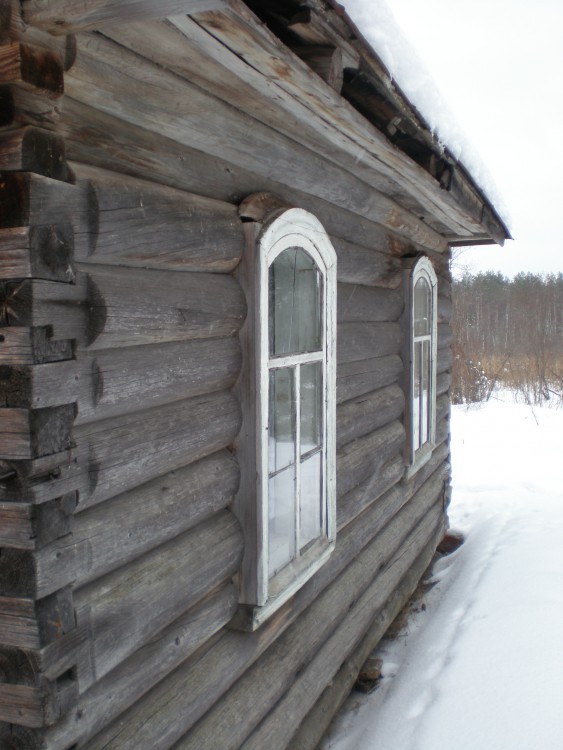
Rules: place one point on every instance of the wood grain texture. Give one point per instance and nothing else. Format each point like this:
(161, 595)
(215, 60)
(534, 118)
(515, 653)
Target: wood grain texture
(30, 433)
(366, 413)
(112, 534)
(62, 17)
(359, 377)
(42, 252)
(137, 223)
(360, 341)
(29, 346)
(33, 150)
(31, 68)
(25, 526)
(110, 696)
(359, 303)
(127, 608)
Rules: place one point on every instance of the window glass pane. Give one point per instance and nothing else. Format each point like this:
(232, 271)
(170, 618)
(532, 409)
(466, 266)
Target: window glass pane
(295, 289)
(422, 306)
(416, 395)
(311, 406)
(425, 392)
(281, 430)
(310, 500)
(281, 520)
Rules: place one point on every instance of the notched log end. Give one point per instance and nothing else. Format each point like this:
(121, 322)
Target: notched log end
(259, 206)
(96, 311)
(42, 69)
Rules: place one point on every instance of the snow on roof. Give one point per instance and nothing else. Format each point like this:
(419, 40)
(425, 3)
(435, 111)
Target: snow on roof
(378, 26)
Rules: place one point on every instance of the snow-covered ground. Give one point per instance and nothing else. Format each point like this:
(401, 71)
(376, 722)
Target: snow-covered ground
(481, 668)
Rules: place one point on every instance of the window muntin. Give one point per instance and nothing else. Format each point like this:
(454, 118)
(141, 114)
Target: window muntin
(296, 415)
(423, 351)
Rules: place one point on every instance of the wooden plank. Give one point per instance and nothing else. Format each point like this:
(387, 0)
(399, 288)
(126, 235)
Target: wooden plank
(368, 412)
(119, 82)
(33, 150)
(357, 341)
(127, 608)
(106, 538)
(118, 454)
(30, 433)
(43, 252)
(136, 223)
(62, 17)
(363, 376)
(359, 303)
(31, 68)
(126, 684)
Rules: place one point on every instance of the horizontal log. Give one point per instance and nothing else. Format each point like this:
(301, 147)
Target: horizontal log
(120, 307)
(443, 383)
(112, 534)
(62, 17)
(42, 252)
(30, 149)
(358, 303)
(20, 108)
(29, 346)
(368, 412)
(39, 480)
(444, 360)
(369, 267)
(363, 458)
(325, 60)
(444, 309)
(31, 68)
(117, 381)
(115, 455)
(445, 335)
(127, 683)
(370, 490)
(137, 223)
(358, 341)
(29, 433)
(363, 376)
(28, 199)
(127, 608)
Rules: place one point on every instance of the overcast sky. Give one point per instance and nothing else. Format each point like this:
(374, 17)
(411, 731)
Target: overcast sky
(499, 64)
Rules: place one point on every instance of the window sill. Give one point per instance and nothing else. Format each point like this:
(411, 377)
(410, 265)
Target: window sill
(249, 618)
(422, 456)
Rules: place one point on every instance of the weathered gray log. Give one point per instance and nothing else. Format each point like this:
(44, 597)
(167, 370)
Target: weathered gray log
(357, 499)
(31, 68)
(359, 265)
(317, 721)
(61, 17)
(310, 682)
(444, 309)
(118, 454)
(325, 60)
(42, 252)
(127, 683)
(117, 381)
(112, 534)
(362, 458)
(136, 223)
(358, 303)
(367, 340)
(29, 346)
(125, 609)
(366, 413)
(443, 383)
(164, 715)
(28, 624)
(444, 360)
(28, 199)
(445, 335)
(26, 433)
(363, 376)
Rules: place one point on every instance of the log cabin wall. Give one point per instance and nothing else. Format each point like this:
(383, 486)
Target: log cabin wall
(120, 235)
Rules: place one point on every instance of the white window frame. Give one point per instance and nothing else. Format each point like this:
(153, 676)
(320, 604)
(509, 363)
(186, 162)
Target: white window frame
(262, 594)
(417, 457)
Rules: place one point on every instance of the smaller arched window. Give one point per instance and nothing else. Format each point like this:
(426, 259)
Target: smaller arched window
(423, 351)
(290, 513)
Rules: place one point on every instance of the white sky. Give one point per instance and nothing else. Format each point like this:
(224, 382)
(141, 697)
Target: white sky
(499, 64)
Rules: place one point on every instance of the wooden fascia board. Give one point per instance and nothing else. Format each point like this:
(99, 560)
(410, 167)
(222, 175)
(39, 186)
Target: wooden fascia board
(68, 16)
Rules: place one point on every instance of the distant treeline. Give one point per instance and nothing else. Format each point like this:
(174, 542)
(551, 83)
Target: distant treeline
(508, 332)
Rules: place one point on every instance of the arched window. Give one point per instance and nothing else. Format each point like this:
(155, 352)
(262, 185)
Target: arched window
(423, 315)
(295, 324)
